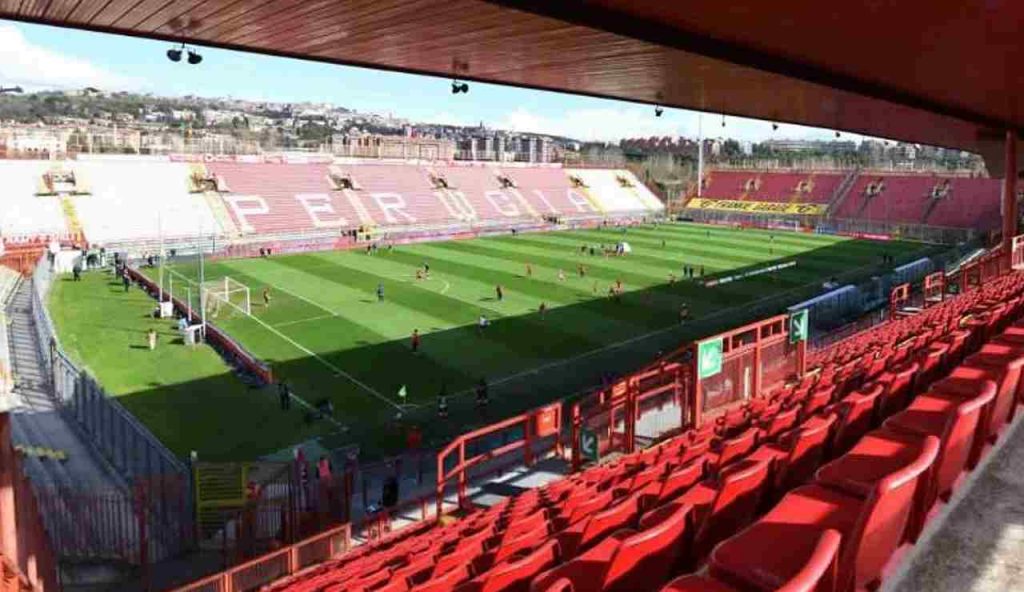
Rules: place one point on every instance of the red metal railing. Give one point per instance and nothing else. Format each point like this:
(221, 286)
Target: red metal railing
(538, 424)
(24, 545)
(277, 564)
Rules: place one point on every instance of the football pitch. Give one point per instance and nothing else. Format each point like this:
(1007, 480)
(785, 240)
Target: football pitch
(328, 334)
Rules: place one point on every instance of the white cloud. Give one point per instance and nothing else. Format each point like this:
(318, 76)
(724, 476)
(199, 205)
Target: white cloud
(615, 122)
(35, 67)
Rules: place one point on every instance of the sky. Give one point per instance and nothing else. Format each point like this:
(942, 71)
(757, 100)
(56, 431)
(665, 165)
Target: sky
(38, 57)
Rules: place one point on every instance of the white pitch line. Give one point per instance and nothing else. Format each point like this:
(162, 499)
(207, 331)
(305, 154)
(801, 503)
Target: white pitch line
(338, 371)
(310, 319)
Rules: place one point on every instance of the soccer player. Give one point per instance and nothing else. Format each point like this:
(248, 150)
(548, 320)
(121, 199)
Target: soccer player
(561, 275)
(380, 292)
(701, 271)
(415, 341)
(482, 397)
(266, 297)
(481, 324)
(151, 338)
(542, 309)
(529, 270)
(426, 269)
(285, 395)
(442, 402)
(684, 313)
(662, 243)
(499, 292)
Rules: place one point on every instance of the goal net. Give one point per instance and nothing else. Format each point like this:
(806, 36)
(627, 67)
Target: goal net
(225, 296)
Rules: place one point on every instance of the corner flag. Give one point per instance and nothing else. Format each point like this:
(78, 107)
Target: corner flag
(401, 393)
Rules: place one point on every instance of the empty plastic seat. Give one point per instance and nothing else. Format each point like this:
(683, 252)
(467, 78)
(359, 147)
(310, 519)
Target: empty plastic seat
(723, 505)
(818, 574)
(733, 449)
(628, 560)
(674, 484)
(582, 535)
(899, 387)
(515, 575)
(856, 415)
(871, 526)
(797, 454)
(954, 421)
(776, 423)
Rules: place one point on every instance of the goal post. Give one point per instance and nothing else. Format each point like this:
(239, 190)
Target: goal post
(228, 294)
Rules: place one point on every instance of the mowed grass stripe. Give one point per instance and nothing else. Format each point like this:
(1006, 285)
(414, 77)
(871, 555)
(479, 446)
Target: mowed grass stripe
(474, 282)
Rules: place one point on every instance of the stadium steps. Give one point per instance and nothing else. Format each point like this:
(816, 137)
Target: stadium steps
(842, 192)
(37, 420)
(221, 215)
(932, 204)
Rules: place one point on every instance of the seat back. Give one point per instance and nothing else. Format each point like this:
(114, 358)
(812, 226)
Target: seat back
(621, 515)
(780, 422)
(515, 575)
(596, 503)
(447, 582)
(900, 384)
(736, 501)
(646, 559)
(736, 448)
(807, 450)
(1005, 361)
(675, 484)
(880, 527)
(857, 415)
(818, 400)
(525, 540)
(817, 575)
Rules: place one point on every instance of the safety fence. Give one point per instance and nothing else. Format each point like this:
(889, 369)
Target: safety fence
(277, 564)
(25, 551)
(486, 451)
(867, 229)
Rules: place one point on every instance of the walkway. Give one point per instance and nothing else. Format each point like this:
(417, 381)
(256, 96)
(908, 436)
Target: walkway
(36, 420)
(977, 544)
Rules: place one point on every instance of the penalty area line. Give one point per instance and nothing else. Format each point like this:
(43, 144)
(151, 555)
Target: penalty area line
(337, 371)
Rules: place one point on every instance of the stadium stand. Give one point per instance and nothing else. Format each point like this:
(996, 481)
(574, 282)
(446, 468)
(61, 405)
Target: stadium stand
(131, 202)
(918, 199)
(776, 187)
(616, 192)
(895, 413)
(26, 216)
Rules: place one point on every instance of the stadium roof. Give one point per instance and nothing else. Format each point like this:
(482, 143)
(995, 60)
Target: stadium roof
(946, 72)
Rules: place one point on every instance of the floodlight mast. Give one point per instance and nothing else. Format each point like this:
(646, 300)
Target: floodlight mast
(700, 152)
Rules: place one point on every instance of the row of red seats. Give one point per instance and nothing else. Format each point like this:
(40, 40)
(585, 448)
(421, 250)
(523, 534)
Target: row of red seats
(879, 495)
(680, 498)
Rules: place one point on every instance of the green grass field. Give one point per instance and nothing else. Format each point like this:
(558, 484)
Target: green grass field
(327, 335)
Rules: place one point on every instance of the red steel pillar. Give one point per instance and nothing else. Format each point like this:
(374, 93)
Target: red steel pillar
(1010, 194)
(8, 475)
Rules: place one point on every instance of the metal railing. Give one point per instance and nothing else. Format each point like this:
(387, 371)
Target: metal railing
(159, 482)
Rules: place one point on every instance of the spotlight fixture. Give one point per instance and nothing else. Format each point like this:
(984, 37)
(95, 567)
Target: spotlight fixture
(658, 111)
(459, 87)
(194, 58)
(174, 54)
(837, 134)
(723, 119)
(775, 127)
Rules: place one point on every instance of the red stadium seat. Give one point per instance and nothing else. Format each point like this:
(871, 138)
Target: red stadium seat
(817, 575)
(856, 416)
(733, 449)
(727, 503)
(515, 575)
(871, 526)
(674, 484)
(582, 535)
(954, 421)
(797, 454)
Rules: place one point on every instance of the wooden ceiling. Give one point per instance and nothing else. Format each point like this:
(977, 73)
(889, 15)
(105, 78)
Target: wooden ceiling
(944, 72)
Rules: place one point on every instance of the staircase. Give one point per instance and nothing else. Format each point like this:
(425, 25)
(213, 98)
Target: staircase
(842, 191)
(221, 214)
(932, 204)
(36, 420)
